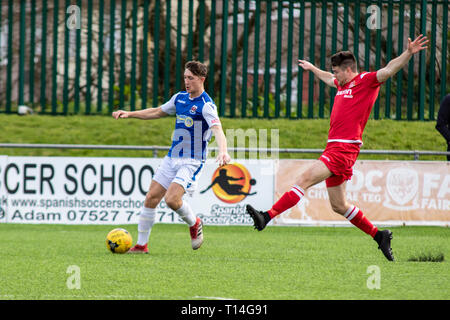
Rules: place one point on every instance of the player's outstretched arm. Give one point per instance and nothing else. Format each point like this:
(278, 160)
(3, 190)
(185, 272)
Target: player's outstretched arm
(396, 64)
(325, 76)
(146, 114)
(223, 157)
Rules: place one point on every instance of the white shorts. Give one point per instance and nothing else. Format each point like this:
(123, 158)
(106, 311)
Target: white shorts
(185, 172)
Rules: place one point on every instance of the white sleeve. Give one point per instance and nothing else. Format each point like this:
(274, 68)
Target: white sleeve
(169, 106)
(209, 112)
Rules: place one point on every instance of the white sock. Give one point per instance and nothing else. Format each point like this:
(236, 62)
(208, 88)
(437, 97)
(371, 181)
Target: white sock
(145, 224)
(187, 214)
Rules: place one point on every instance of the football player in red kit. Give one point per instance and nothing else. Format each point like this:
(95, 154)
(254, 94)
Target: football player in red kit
(356, 95)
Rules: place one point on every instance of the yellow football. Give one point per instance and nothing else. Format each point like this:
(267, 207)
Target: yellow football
(119, 240)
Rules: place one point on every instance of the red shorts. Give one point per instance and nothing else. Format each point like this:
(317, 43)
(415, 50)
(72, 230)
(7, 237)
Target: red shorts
(339, 157)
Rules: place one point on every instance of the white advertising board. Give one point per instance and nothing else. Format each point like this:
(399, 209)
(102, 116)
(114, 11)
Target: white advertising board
(72, 190)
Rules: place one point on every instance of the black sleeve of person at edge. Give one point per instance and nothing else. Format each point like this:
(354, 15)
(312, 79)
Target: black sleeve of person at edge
(443, 118)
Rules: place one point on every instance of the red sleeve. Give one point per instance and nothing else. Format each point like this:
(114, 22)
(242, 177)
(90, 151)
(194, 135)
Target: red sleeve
(336, 83)
(371, 79)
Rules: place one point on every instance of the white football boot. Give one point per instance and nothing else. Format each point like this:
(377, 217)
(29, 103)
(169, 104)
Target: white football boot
(196, 234)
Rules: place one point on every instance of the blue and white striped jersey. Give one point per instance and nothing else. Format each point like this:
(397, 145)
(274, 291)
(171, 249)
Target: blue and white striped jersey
(194, 118)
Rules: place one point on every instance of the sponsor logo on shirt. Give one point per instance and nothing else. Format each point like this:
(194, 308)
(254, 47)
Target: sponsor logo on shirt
(188, 121)
(181, 101)
(347, 93)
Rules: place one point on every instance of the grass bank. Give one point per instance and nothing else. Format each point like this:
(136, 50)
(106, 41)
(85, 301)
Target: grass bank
(305, 133)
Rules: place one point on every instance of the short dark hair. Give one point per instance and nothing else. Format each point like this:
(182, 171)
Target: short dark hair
(197, 68)
(344, 60)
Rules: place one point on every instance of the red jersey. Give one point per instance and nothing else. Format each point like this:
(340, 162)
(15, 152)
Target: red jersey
(352, 106)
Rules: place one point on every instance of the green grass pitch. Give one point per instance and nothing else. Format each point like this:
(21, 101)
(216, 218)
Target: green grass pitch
(279, 263)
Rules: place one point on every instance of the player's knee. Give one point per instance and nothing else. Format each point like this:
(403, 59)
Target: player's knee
(151, 200)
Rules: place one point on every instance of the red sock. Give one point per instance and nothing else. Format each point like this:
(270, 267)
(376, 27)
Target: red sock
(287, 200)
(357, 218)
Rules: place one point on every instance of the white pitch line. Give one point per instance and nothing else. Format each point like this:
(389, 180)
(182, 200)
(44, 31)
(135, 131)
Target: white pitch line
(213, 298)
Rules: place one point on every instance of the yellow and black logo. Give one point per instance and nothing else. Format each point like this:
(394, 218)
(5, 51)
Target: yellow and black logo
(231, 183)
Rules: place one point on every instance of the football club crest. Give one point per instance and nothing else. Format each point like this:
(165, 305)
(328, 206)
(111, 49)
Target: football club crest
(402, 185)
(193, 110)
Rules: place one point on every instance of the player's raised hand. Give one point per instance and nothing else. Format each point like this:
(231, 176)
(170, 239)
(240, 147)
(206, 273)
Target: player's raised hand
(120, 114)
(418, 44)
(305, 64)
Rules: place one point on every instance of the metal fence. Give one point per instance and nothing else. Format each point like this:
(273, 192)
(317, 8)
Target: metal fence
(239, 150)
(91, 57)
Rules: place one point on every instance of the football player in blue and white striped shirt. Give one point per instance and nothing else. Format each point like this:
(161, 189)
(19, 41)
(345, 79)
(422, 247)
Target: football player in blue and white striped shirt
(196, 121)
